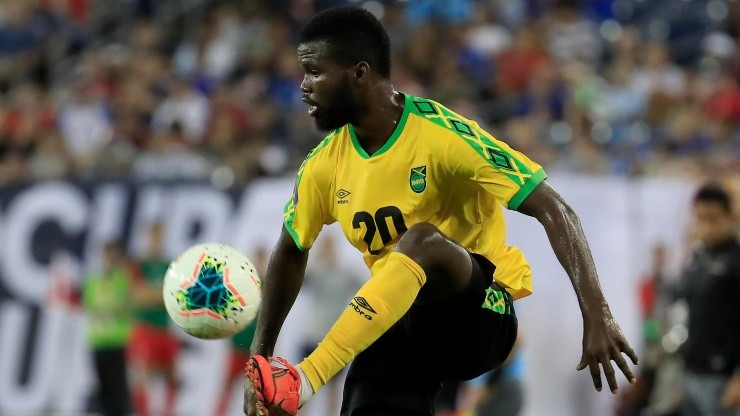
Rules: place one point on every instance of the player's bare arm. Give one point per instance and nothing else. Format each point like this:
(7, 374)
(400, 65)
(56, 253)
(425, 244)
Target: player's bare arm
(281, 285)
(603, 340)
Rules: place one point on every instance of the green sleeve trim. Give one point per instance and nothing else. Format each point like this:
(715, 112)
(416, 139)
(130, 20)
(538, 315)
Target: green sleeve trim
(294, 234)
(527, 189)
(289, 209)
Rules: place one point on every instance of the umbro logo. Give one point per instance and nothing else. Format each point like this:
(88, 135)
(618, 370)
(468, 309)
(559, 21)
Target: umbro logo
(360, 305)
(364, 304)
(341, 194)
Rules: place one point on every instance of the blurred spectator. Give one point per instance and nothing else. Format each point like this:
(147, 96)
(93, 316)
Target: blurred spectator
(658, 75)
(49, 161)
(17, 34)
(517, 65)
(106, 297)
(611, 81)
(570, 35)
(84, 121)
(216, 51)
(625, 48)
(711, 286)
(544, 100)
(655, 297)
(24, 28)
(27, 121)
(184, 106)
(13, 165)
(723, 102)
(486, 36)
(617, 102)
(154, 349)
(167, 157)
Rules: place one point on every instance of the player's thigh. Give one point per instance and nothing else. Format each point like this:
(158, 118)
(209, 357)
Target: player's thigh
(111, 367)
(164, 348)
(472, 332)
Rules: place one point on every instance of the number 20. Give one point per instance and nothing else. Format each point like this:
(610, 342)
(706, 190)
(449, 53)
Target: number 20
(378, 223)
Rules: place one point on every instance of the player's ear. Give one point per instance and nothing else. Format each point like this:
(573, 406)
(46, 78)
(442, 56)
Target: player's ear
(362, 70)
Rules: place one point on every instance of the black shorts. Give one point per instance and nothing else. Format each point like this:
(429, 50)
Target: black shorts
(460, 339)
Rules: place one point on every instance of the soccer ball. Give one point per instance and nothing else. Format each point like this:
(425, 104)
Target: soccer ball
(212, 291)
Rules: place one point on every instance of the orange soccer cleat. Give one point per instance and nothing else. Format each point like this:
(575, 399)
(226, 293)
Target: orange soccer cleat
(276, 384)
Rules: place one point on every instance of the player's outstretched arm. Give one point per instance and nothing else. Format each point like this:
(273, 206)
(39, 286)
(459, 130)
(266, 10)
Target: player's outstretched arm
(603, 340)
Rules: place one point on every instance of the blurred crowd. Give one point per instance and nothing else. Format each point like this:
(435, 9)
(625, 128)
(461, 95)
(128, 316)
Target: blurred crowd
(208, 90)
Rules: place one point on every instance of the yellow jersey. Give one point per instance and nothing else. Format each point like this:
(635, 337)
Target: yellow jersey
(437, 167)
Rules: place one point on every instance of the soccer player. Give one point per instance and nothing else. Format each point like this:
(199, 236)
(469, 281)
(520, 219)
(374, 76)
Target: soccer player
(419, 191)
(154, 349)
(106, 297)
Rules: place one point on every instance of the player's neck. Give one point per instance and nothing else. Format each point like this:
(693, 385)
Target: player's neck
(375, 127)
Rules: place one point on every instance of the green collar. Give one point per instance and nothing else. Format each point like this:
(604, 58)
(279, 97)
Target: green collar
(394, 137)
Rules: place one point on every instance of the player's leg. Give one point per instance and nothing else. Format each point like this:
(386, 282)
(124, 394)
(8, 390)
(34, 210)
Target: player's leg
(101, 370)
(426, 267)
(120, 395)
(453, 337)
(111, 367)
(402, 371)
(140, 358)
(169, 348)
(390, 378)
(139, 383)
(480, 325)
(447, 397)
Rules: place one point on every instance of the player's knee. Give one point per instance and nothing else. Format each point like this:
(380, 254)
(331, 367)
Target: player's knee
(417, 237)
(447, 264)
(424, 243)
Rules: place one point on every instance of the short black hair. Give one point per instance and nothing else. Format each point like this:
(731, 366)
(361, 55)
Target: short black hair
(714, 193)
(354, 35)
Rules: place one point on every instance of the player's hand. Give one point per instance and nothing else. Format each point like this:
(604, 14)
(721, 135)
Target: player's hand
(603, 342)
(731, 396)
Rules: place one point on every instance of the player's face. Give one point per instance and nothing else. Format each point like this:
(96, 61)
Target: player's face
(713, 224)
(326, 87)
(112, 257)
(156, 240)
